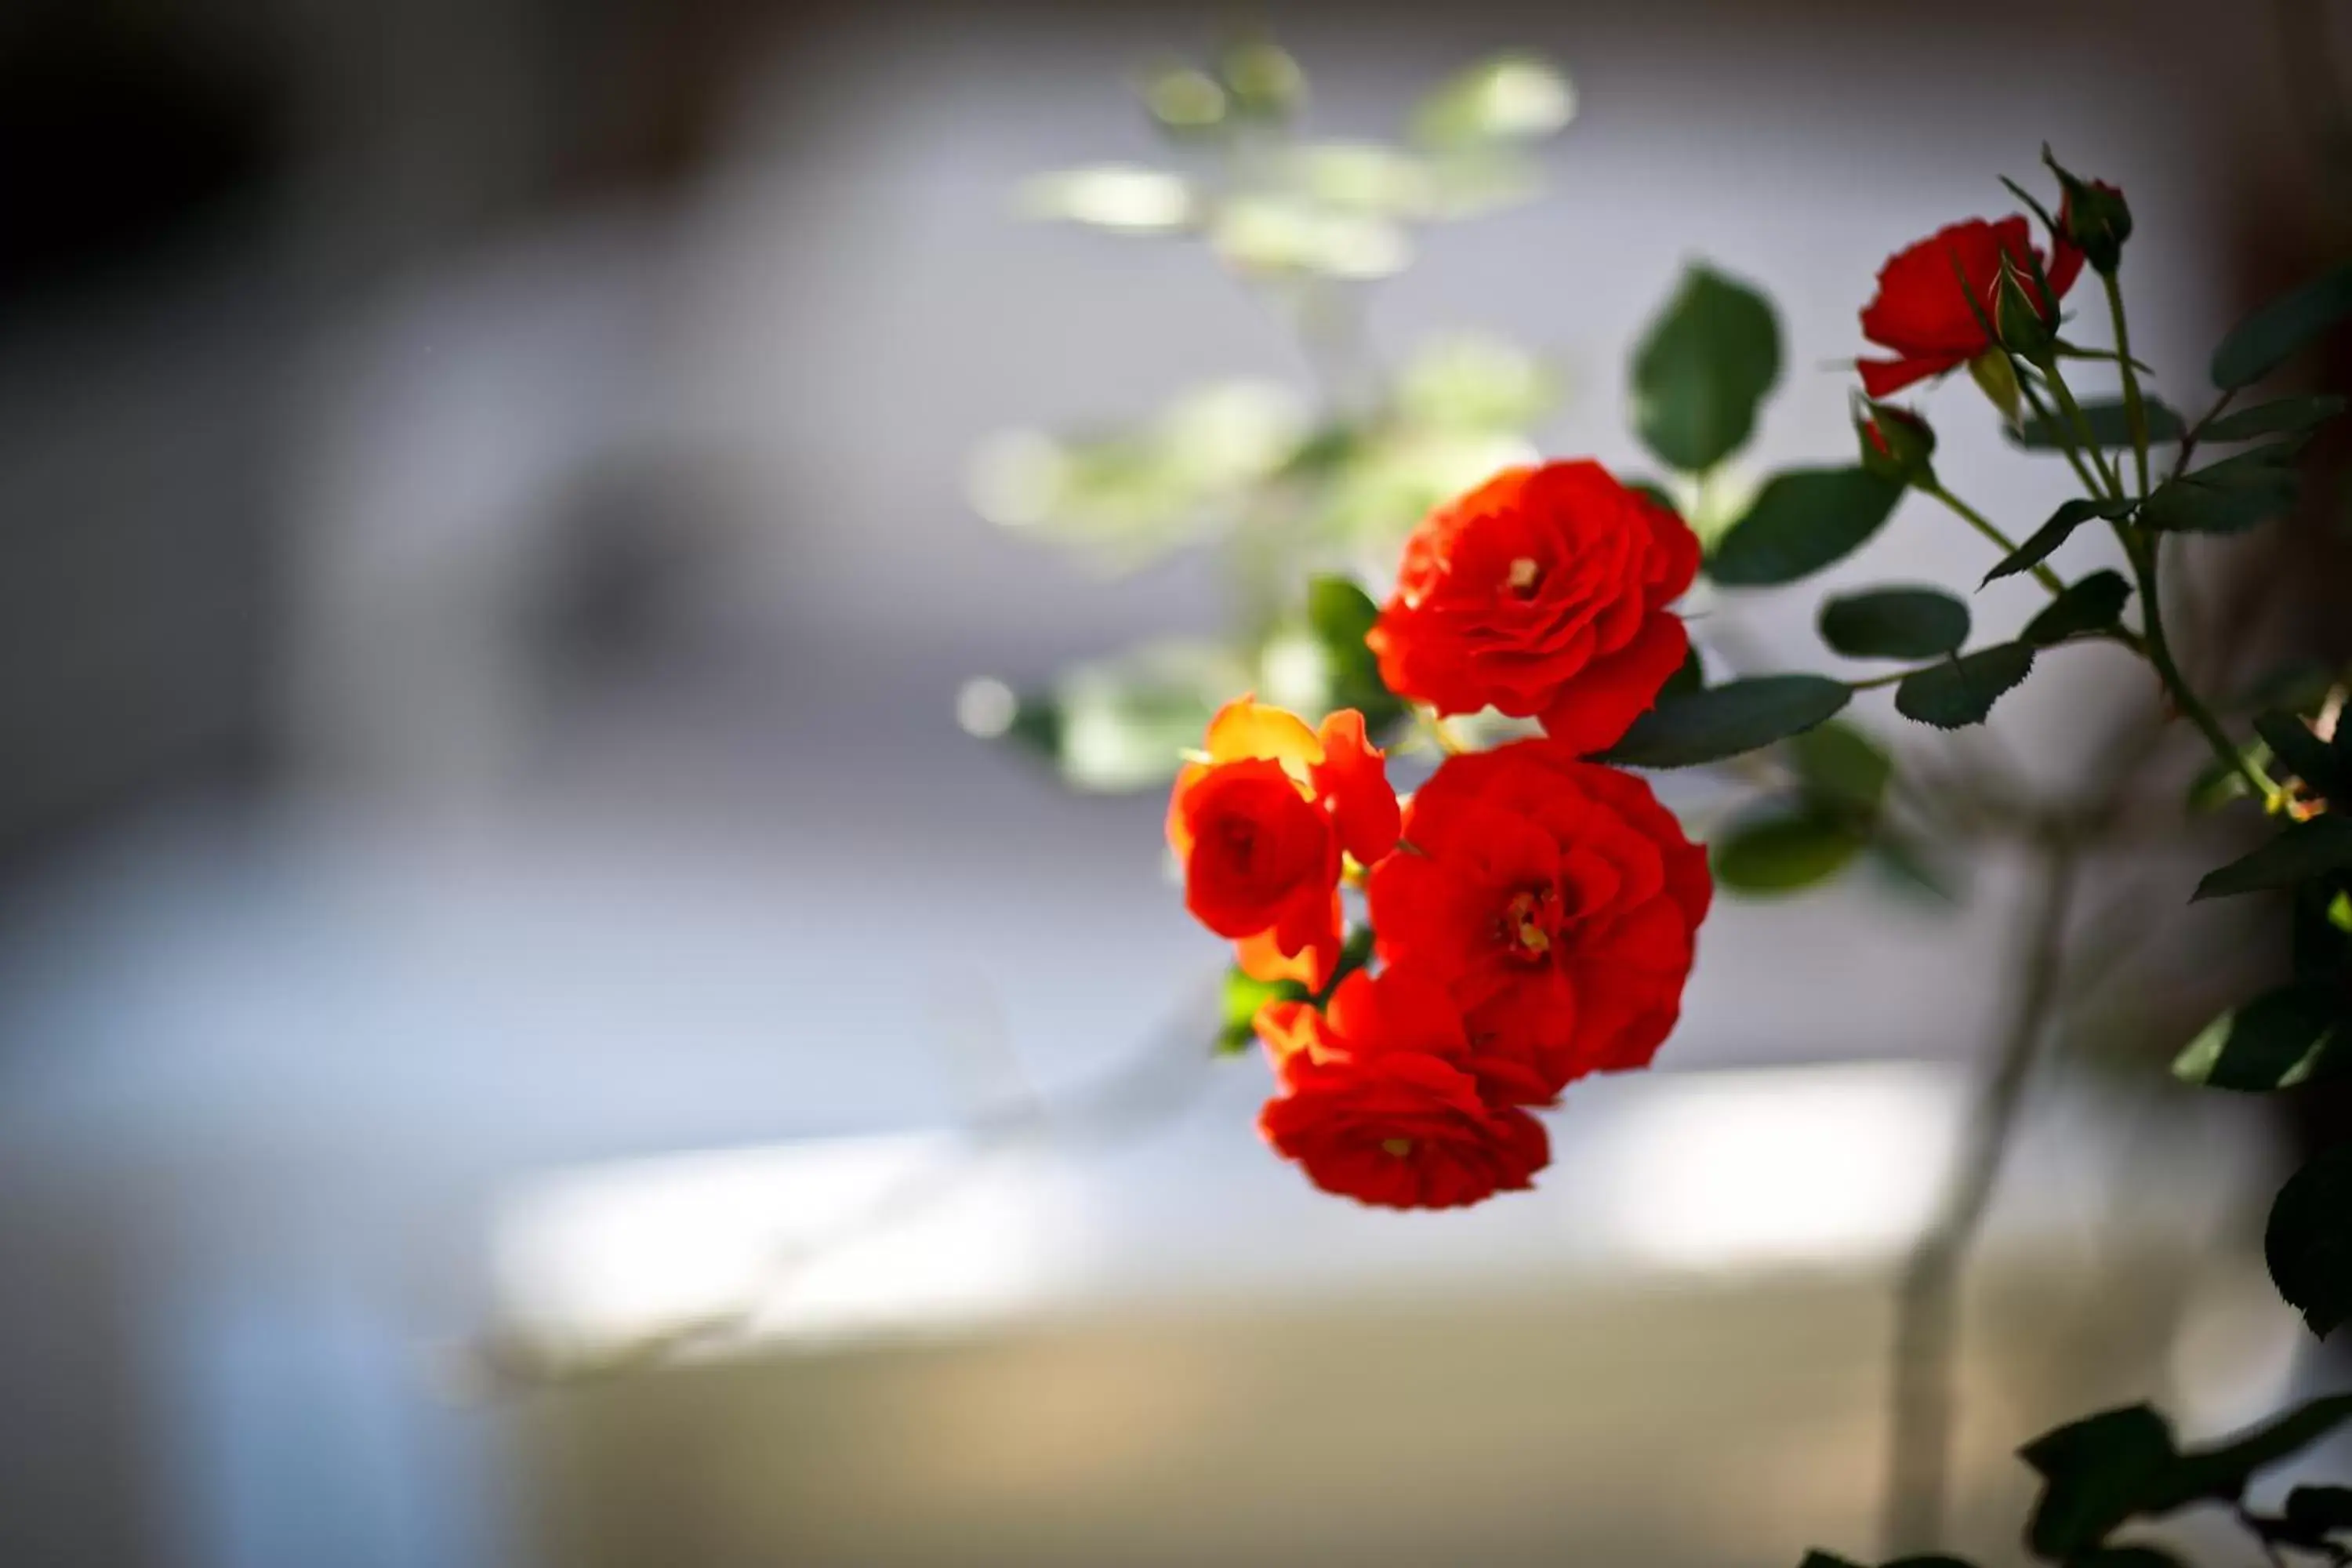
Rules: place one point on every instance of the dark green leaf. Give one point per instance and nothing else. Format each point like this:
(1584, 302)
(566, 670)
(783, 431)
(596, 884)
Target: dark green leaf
(2227, 497)
(1781, 854)
(1656, 491)
(1895, 623)
(1961, 691)
(2275, 333)
(1817, 1558)
(1242, 996)
(2126, 1557)
(2097, 1473)
(1342, 612)
(2296, 685)
(2043, 541)
(2268, 469)
(2109, 428)
(2305, 850)
(2320, 1510)
(1725, 721)
(1842, 769)
(1691, 677)
(1702, 370)
(1913, 871)
(2307, 756)
(2280, 1039)
(2308, 1242)
(2286, 416)
(1933, 1560)
(1803, 520)
(2092, 604)
(2220, 1473)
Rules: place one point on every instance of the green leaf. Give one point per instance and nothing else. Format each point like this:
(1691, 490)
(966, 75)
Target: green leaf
(2295, 685)
(1801, 522)
(2220, 1473)
(2283, 1038)
(1342, 612)
(1702, 370)
(1895, 623)
(1242, 996)
(1842, 768)
(2227, 497)
(2126, 1557)
(2305, 850)
(2308, 1242)
(2287, 417)
(2281, 329)
(1781, 854)
(2321, 1510)
(1961, 691)
(1725, 721)
(2307, 756)
(2097, 1472)
(1911, 870)
(2093, 605)
(2038, 546)
(2109, 427)
(1817, 1558)
(1690, 677)
(1511, 98)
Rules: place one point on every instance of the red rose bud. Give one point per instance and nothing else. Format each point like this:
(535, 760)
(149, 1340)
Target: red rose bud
(2093, 217)
(2019, 316)
(1895, 444)
(1934, 300)
(1543, 594)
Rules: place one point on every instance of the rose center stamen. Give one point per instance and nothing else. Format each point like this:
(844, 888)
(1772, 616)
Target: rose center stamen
(1522, 927)
(1523, 574)
(1400, 1147)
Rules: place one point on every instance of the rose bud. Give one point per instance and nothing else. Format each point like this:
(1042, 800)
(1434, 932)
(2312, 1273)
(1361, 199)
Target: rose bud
(2022, 317)
(2092, 215)
(1895, 444)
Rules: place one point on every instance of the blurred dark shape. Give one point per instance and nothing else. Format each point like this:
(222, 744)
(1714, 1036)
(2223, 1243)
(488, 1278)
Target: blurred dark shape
(123, 132)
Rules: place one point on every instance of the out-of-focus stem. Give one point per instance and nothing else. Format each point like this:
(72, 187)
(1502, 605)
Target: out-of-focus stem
(1926, 1307)
(1984, 525)
(2135, 406)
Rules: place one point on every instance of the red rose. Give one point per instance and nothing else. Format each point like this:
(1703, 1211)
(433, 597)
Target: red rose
(1557, 900)
(1259, 824)
(1376, 1105)
(1924, 315)
(1542, 592)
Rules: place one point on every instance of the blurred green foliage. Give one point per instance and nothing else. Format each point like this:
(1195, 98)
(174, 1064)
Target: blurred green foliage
(1283, 485)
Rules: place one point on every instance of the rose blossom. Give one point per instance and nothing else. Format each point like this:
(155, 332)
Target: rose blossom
(1259, 825)
(1922, 311)
(1542, 592)
(1557, 900)
(1378, 1105)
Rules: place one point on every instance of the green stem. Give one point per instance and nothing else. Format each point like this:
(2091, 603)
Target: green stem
(2074, 415)
(2134, 406)
(2065, 437)
(1984, 525)
(2142, 550)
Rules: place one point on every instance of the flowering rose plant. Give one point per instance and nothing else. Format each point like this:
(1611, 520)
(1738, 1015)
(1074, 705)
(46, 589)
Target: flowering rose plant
(1423, 970)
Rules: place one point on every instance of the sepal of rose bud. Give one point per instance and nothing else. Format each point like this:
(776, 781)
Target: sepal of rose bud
(1896, 443)
(1996, 379)
(2093, 217)
(2018, 320)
